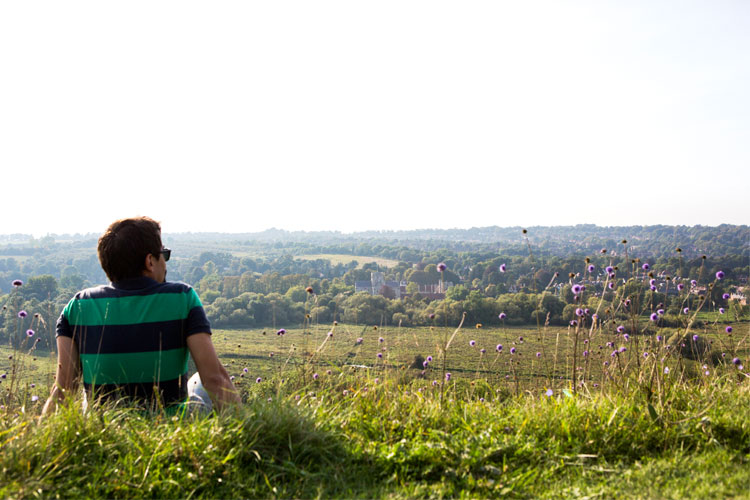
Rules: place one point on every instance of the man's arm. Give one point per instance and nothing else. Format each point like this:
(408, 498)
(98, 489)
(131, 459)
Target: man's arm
(66, 376)
(213, 374)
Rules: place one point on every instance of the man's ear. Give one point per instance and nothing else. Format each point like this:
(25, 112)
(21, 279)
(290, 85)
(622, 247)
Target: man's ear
(148, 264)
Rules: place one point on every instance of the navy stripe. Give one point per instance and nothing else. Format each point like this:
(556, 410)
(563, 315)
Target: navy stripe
(114, 339)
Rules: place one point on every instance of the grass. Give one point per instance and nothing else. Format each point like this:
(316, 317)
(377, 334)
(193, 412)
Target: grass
(393, 441)
(377, 428)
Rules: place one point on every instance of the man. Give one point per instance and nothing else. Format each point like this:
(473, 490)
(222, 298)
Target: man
(130, 340)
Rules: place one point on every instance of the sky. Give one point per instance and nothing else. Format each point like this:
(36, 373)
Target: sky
(240, 116)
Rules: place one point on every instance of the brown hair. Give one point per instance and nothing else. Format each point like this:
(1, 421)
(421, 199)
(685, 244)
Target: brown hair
(124, 246)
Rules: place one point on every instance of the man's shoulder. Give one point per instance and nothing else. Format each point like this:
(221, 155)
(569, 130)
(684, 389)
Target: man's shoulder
(174, 287)
(95, 292)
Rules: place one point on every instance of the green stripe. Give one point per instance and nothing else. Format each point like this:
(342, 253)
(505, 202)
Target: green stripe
(134, 367)
(131, 310)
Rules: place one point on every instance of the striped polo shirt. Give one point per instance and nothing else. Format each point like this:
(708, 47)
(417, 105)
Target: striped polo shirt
(132, 338)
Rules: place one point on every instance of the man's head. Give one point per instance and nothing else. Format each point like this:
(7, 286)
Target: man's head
(131, 248)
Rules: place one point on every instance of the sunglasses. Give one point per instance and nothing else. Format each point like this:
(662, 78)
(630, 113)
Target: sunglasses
(167, 253)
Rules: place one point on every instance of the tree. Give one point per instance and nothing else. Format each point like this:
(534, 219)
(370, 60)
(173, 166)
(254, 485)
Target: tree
(41, 287)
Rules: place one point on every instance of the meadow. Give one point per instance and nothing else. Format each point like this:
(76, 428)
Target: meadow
(325, 416)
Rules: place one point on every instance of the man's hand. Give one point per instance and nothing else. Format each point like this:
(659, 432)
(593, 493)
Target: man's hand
(213, 374)
(66, 376)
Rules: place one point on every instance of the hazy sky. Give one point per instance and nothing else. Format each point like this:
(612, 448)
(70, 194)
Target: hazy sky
(240, 116)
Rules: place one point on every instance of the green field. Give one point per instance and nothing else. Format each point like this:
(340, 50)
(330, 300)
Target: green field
(543, 358)
(346, 259)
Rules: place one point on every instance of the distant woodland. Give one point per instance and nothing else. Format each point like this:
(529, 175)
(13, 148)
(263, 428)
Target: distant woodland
(260, 279)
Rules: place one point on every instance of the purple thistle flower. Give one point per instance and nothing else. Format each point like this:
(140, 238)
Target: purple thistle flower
(231, 378)
(448, 376)
(4, 376)
(502, 268)
(652, 282)
(610, 344)
(579, 312)
(653, 288)
(381, 340)
(645, 354)
(720, 275)
(645, 266)
(538, 354)
(380, 355)
(258, 380)
(659, 338)
(695, 338)
(244, 370)
(434, 383)
(29, 333)
(611, 285)
(680, 287)
(360, 340)
(499, 347)
(721, 310)
(666, 370)
(591, 268)
(614, 353)
(686, 310)
(620, 329)
(623, 349)
(17, 283)
(693, 283)
(315, 376)
(482, 350)
(442, 267)
(585, 353)
(432, 316)
(512, 350)
(736, 361)
(609, 269)
(429, 358)
(574, 323)
(425, 363)
(576, 289)
(330, 334)
(502, 315)
(281, 332)
(729, 329)
(654, 317)
(34, 399)
(549, 393)
(520, 339)
(725, 296)
(472, 343)
(22, 314)
(627, 302)
(660, 312)
(626, 337)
